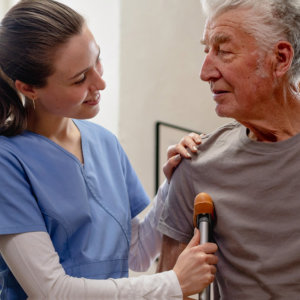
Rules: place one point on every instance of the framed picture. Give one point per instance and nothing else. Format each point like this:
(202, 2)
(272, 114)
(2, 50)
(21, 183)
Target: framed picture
(165, 135)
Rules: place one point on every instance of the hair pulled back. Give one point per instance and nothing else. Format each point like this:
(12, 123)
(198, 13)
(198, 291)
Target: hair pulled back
(30, 33)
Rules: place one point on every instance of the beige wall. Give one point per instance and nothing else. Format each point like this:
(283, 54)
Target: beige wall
(160, 62)
(4, 6)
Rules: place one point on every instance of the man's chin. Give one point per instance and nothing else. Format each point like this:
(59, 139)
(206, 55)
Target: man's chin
(221, 111)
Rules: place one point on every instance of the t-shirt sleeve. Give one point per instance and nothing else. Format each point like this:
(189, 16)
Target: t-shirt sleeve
(176, 220)
(136, 193)
(19, 211)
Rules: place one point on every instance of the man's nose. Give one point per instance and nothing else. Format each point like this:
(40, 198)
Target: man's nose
(209, 70)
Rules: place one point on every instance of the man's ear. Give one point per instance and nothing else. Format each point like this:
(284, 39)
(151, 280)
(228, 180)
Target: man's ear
(26, 89)
(284, 57)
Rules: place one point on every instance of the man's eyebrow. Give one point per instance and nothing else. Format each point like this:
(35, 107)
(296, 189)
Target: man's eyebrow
(217, 39)
(203, 42)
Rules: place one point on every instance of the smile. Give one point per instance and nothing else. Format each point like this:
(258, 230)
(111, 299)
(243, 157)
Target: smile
(94, 101)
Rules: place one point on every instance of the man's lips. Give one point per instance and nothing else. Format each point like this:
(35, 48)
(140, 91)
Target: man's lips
(218, 92)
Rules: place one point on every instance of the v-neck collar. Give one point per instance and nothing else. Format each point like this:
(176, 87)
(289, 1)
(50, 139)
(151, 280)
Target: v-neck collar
(62, 148)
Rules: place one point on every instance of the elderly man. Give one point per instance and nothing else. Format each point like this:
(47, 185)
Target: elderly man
(250, 167)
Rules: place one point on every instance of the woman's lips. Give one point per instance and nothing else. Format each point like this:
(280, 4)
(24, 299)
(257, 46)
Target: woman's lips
(93, 101)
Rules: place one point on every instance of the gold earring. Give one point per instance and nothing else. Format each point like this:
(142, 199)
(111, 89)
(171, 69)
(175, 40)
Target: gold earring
(33, 102)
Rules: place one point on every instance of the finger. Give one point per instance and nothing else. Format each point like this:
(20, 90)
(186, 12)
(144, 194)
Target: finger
(211, 259)
(196, 137)
(178, 149)
(174, 161)
(212, 278)
(170, 165)
(209, 248)
(188, 142)
(195, 239)
(213, 270)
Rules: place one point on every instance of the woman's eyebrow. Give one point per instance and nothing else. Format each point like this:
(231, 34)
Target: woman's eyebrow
(86, 69)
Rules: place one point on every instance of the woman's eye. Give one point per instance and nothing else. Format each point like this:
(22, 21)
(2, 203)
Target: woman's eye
(81, 80)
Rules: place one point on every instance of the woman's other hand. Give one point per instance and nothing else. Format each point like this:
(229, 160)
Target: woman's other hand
(182, 149)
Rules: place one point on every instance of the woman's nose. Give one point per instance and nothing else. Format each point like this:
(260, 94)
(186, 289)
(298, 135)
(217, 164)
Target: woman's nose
(98, 82)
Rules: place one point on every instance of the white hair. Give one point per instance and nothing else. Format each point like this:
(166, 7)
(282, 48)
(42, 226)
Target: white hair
(269, 22)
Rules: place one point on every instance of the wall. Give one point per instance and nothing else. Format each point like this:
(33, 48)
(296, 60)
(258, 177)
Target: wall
(160, 62)
(4, 5)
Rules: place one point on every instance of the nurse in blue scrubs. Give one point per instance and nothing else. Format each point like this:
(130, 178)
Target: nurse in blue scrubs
(68, 194)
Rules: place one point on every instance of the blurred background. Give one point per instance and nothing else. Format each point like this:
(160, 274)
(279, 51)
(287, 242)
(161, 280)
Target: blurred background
(151, 53)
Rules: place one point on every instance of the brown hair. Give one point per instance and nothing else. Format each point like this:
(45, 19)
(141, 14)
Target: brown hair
(30, 33)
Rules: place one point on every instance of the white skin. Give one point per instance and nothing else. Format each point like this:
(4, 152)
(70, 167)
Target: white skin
(73, 91)
(248, 84)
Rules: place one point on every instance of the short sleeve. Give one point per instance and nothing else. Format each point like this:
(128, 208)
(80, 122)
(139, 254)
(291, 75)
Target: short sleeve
(19, 211)
(176, 220)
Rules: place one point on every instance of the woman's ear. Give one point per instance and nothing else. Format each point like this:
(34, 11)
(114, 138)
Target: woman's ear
(26, 89)
(284, 57)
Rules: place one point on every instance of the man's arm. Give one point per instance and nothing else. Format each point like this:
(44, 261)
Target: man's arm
(170, 250)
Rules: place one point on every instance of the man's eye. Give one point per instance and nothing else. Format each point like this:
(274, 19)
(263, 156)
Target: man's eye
(222, 51)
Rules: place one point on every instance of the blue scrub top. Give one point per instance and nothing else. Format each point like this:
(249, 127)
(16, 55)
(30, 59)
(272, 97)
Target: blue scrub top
(86, 209)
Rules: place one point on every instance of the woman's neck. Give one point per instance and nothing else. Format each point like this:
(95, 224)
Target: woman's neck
(62, 131)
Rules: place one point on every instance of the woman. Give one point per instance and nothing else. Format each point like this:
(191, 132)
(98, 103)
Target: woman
(68, 194)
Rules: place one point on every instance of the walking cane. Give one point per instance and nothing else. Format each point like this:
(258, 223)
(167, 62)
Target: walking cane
(203, 211)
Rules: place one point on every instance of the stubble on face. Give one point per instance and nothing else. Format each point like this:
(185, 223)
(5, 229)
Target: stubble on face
(245, 72)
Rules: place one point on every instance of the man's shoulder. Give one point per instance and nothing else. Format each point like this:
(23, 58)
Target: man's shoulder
(227, 128)
(213, 144)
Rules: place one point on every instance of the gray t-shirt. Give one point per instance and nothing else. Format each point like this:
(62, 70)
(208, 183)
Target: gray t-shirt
(256, 192)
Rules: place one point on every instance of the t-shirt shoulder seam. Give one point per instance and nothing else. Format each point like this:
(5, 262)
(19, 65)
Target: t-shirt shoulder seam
(172, 233)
